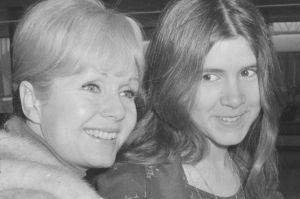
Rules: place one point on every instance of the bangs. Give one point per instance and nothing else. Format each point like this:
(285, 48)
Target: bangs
(102, 38)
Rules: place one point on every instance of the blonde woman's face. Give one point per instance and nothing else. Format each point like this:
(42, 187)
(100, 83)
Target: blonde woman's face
(90, 115)
(228, 99)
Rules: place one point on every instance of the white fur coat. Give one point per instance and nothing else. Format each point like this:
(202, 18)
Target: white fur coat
(29, 170)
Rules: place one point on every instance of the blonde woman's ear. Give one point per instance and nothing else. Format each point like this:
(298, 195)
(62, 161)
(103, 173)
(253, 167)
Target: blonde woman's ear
(30, 104)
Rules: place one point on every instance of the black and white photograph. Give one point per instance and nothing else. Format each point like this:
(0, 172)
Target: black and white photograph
(149, 99)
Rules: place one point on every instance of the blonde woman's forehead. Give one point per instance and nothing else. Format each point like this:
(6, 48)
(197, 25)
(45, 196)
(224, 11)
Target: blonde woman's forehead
(119, 54)
(117, 66)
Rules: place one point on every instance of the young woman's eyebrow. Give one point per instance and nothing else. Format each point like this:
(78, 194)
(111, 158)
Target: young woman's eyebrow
(254, 66)
(212, 70)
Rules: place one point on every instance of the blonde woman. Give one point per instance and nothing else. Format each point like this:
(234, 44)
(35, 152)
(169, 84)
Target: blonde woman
(76, 74)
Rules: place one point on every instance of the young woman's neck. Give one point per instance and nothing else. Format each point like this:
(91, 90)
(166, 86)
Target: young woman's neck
(216, 156)
(215, 173)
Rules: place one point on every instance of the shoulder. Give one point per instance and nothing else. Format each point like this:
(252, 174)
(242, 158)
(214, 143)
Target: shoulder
(26, 166)
(25, 194)
(121, 181)
(141, 181)
(123, 170)
(275, 195)
(136, 174)
(45, 179)
(16, 145)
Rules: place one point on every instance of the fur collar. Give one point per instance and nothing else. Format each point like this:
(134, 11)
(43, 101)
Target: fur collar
(28, 163)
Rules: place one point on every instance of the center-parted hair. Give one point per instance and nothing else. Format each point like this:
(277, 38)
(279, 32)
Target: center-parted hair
(186, 32)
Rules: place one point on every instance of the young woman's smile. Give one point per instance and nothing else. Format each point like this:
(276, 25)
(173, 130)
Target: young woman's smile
(227, 100)
(231, 120)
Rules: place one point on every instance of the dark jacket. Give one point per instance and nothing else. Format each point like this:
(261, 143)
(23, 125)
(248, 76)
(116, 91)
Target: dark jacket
(165, 181)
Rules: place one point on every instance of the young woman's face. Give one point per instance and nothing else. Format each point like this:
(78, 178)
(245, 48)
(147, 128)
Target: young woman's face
(227, 100)
(89, 115)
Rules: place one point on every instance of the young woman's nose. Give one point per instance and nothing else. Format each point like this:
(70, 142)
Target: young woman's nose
(232, 95)
(113, 107)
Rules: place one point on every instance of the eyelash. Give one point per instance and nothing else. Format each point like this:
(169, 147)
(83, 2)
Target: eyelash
(91, 87)
(132, 94)
(211, 77)
(249, 76)
(208, 77)
(94, 88)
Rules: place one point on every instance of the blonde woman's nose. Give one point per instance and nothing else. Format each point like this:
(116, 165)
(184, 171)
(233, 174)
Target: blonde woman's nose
(113, 107)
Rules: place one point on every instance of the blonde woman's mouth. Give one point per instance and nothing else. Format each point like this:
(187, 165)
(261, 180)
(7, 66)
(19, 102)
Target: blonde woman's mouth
(100, 134)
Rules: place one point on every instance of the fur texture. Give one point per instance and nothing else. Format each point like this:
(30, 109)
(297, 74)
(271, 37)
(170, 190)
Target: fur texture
(29, 170)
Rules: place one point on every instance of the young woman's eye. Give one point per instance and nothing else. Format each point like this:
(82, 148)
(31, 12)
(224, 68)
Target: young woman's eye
(209, 77)
(129, 94)
(94, 88)
(248, 73)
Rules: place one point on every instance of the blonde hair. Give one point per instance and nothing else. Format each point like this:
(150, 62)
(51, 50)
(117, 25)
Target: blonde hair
(55, 37)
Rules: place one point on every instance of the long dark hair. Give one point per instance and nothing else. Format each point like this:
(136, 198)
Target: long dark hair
(186, 32)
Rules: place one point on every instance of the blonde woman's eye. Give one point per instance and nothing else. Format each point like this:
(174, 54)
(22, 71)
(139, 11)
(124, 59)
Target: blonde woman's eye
(128, 94)
(209, 77)
(94, 88)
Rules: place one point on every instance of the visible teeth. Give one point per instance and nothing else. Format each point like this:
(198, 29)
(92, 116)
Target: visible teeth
(101, 134)
(230, 119)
